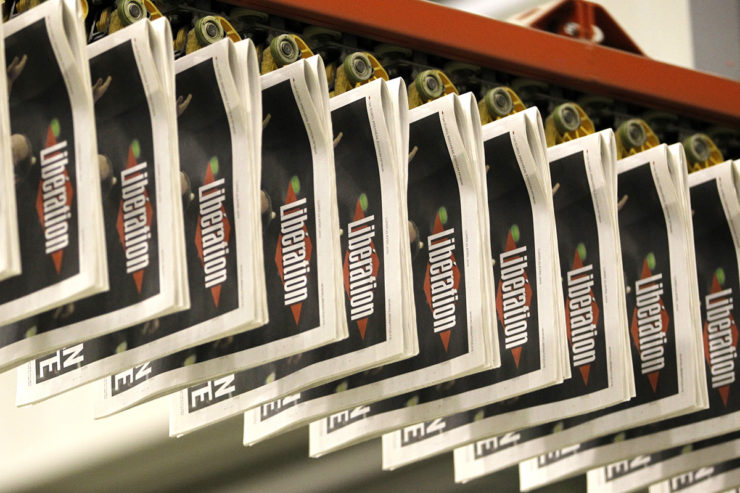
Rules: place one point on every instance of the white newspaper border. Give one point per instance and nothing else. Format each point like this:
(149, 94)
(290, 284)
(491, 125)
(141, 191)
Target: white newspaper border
(10, 256)
(656, 471)
(704, 479)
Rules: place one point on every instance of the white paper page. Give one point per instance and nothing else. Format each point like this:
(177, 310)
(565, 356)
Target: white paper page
(644, 470)
(721, 476)
(10, 256)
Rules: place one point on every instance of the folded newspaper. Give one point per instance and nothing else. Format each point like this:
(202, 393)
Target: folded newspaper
(136, 123)
(660, 284)
(583, 175)
(721, 476)
(10, 255)
(522, 240)
(643, 470)
(522, 246)
(377, 277)
(57, 184)
(447, 206)
(397, 122)
(363, 421)
(226, 292)
(300, 245)
(716, 216)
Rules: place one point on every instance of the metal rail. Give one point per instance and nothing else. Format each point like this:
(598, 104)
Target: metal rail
(526, 52)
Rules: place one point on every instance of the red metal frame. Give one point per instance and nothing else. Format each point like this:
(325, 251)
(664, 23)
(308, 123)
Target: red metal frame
(587, 15)
(569, 62)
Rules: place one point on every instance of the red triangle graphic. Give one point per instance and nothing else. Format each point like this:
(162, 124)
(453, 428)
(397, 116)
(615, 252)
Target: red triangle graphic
(290, 195)
(131, 161)
(216, 293)
(138, 279)
(517, 353)
(724, 393)
(209, 178)
(585, 370)
(57, 258)
(438, 228)
(445, 336)
(359, 214)
(296, 309)
(653, 377)
(362, 326)
(510, 243)
(577, 262)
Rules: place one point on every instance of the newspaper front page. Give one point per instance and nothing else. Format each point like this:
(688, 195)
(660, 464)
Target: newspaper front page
(716, 218)
(517, 200)
(300, 247)
(583, 177)
(51, 113)
(141, 203)
(374, 237)
(656, 241)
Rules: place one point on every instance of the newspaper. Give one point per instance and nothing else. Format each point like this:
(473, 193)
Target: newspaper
(134, 95)
(515, 154)
(716, 218)
(656, 239)
(643, 470)
(518, 199)
(10, 255)
(226, 290)
(583, 174)
(720, 476)
(51, 113)
(300, 242)
(432, 125)
(374, 239)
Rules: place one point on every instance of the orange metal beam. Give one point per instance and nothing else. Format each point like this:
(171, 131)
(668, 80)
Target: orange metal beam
(569, 62)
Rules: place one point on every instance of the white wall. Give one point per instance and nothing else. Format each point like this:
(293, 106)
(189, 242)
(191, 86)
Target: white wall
(60, 435)
(661, 28)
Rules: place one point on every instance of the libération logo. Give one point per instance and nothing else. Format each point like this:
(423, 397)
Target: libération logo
(581, 313)
(442, 278)
(361, 265)
(135, 214)
(294, 249)
(720, 336)
(55, 193)
(514, 295)
(213, 231)
(649, 328)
